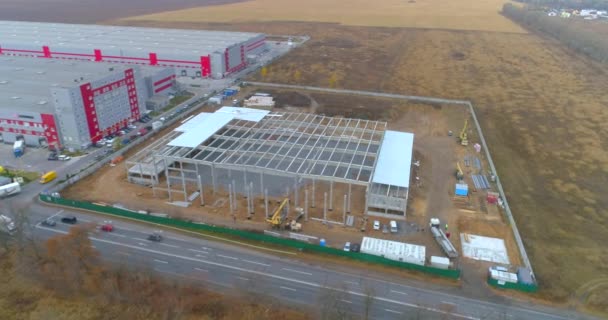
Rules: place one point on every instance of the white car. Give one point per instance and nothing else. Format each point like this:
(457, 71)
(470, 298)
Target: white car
(347, 247)
(376, 225)
(63, 157)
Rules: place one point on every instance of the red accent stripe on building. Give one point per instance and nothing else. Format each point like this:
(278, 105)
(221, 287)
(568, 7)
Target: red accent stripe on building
(28, 51)
(46, 51)
(73, 54)
(256, 46)
(98, 56)
(256, 43)
(163, 80)
(227, 59)
(109, 87)
(89, 110)
(50, 131)
(0, 49)
(179, 61)
(132, 92)
(163, 88)
(205, 66)
(153, 59)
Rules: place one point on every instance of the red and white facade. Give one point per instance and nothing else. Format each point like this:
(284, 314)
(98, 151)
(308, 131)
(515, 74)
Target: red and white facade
(193, 53)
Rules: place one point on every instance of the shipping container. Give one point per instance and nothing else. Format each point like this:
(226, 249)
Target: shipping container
(440, 262)
(502, 276)
(399, 251)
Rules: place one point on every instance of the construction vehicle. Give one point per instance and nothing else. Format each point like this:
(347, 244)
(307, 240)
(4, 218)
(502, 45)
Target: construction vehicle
(48, 177)
(459, 173)
(293, 225)
(279, 214)
(463, 134)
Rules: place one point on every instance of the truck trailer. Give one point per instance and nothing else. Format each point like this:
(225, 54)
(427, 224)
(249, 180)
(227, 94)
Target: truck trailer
(19, 148)
(9, 189)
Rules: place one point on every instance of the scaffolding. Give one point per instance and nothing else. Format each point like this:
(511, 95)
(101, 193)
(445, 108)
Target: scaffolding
(300, 155)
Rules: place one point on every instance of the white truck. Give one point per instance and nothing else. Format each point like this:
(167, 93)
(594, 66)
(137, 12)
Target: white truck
(10, 189)
(7, 224)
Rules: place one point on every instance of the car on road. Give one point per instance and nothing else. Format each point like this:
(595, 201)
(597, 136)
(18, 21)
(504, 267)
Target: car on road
(49, 222)
(53, 156)
(107, 227)
(63, 157)
(69, 219)
(347, 247)
(355, 247)
(376, 225)
(155, 237)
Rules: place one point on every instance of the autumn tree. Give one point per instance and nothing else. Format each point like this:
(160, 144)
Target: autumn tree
(264, 72)
(333, 80)
(297, 75)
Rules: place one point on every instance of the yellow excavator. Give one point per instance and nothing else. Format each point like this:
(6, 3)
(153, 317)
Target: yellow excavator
(463, 134)
(278, 215)
(459, 173)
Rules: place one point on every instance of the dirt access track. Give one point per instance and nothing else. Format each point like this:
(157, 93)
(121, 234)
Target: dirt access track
(542, 109)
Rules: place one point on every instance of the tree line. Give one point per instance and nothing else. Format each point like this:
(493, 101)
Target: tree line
(568, 4)
(573, 35)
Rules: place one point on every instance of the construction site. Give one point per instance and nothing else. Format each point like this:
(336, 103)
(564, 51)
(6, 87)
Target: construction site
(312, 168)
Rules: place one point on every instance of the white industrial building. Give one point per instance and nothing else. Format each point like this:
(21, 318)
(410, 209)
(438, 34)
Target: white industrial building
(279, 154)
(71, 103)
(193, 53)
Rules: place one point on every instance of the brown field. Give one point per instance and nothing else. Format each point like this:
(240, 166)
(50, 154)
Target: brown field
(428, 14)
(543, 111)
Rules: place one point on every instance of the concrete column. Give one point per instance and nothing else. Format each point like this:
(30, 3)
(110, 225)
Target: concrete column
(230, 198)
(262, 183)
(325, 206)
(295, 192)
(245, 182)
(306, 205)
(344, 210)
(200, 189)
(313, 193)
(234, 195)
(350, 191)
(331, 196)
(213, 178)
(168, 182)
(181, 170)
(252, 203)
(266, 201)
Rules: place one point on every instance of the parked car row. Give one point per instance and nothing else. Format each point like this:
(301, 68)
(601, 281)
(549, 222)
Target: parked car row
(53, 156)
(355, 247)
(392, 226)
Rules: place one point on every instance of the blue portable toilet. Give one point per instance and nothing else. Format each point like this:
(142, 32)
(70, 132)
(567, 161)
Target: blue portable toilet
(461, 189)
(322, 242)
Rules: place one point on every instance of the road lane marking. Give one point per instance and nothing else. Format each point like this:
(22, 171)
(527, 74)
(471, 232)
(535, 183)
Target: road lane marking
(199, 251)
(351, 282)
(142, 244)
(393, 311)
(346, 301)
(243, 278)
(117, 235)
(289, 279)
(287, 288)
(139, 239)
(123, 253)
(297, 271)
(161, 261)
(445, 302)
(201, 256)
(399, 292)
(227, 257)
(169, 245)
(199, 269)
(94, 247)
(258, 263)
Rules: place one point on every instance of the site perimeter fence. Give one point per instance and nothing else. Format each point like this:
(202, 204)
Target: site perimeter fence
(248, 235)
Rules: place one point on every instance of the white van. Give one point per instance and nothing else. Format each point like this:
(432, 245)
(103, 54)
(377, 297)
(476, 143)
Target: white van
(393, 225)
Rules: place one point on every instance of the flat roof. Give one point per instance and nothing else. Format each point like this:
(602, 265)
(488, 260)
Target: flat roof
(394, 250)
(206, 126)
(247, 114)
(25, 83)
(167, 43)
(395, 159)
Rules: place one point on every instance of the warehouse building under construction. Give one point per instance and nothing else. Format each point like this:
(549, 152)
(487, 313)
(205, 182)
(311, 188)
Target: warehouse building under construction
(306, 157)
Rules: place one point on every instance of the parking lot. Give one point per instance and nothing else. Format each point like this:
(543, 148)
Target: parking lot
(33, 160)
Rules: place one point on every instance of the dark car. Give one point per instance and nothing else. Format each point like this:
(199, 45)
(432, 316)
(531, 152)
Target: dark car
(48, 222)
(355, 247)
(69, 220)
(149, 128)
(155, 237)
(53, 156)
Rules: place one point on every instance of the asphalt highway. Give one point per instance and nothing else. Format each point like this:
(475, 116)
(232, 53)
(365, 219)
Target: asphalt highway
(226, 267)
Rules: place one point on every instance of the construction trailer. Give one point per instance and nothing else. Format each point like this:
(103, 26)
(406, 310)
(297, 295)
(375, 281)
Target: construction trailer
(307, 157)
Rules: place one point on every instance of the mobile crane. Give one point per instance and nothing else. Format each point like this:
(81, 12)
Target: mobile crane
(279, 214)
(463, 134)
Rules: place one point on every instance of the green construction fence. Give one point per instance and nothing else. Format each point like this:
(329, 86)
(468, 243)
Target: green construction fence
(528, 288)
(249, 235)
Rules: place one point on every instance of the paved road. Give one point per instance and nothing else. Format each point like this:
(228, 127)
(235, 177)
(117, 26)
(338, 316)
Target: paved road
(226, 267)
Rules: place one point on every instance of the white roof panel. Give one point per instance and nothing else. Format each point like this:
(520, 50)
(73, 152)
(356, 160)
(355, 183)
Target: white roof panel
(399, 251)
(192, 123)
(395, 159)
(204, 129)
(247, 114)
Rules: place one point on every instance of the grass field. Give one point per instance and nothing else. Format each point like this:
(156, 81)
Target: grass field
(434, 14)
(543, 111)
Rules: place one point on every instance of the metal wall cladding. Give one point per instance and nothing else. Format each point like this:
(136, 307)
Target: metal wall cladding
(394, 250)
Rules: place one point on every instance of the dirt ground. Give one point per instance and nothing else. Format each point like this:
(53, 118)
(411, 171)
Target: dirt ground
(542, 109)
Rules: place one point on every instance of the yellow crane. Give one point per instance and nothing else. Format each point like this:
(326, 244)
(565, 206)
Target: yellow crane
(463, 134)
(459, 173)
(277, 216)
